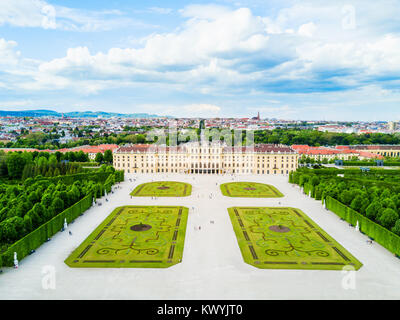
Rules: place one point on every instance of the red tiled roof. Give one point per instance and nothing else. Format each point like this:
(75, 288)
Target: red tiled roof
(19, 149)
(91, 149)
(267, 148)
(262, 148)
(146, 148)
(370, 155)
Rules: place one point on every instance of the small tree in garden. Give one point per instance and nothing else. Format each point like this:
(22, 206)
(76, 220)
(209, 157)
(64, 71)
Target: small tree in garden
(108, 157)
(388, 218)
(396, 228)
(99, 157)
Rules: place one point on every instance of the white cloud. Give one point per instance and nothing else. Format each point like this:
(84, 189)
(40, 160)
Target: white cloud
(307, 29)
(201, 110)
(216, 51)
(372, 58)
(160, 10)
(284, 111)
(22, 13)
(205, 12)
(8, 55)
(41, 14)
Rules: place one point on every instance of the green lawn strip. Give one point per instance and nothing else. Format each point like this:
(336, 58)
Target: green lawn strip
(237, 189)
(304, 246)
(114, 245)
(172, 189)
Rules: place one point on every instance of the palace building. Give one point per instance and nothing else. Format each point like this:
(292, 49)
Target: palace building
(380, 150)
(206, 158)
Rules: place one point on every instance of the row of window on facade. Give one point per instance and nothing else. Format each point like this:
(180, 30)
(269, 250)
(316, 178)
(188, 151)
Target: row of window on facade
(226, 158)
(199, 170)
(207, 165)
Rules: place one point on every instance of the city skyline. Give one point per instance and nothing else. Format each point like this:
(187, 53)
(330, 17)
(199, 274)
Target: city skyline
(205, 59)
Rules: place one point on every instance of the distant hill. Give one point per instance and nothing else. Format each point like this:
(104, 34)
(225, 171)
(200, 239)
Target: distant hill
(76, 114)
(28, 113)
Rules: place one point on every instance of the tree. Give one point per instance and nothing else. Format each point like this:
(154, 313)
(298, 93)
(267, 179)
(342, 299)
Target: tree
(15, 165)
(11, 229)
(357, 203)
(41, 161)
(27, 224)
(49, 172)
(3, 166)
(82, 157)
(389, 203)
(315, 181)
(57, 205)
(56, 172)
(388, 218)
(396, 228)
(108, 156)
(99, 157)
(28, 171)
(53, 160)
(46, 200)
(346, 197)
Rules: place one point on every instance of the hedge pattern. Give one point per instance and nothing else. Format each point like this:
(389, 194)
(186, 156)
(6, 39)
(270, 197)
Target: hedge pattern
(381, 235)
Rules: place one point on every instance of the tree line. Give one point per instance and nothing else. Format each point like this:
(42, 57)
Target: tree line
(317, 138)
(26, 206)
(287, 136)
(22, 165)
(375, 198)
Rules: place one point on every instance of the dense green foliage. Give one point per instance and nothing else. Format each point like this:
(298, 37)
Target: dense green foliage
(370, 163)
(87, 136)
(36, 238)
(27, 206)
(22, 165)
(367, 193)
(374, 196)
(318, 138)
(288, 136)
(389, 240)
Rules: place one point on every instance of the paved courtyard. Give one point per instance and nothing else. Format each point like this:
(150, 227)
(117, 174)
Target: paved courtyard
(212, 266)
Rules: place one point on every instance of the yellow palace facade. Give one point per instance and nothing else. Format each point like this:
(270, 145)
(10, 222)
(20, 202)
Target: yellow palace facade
(206, 158)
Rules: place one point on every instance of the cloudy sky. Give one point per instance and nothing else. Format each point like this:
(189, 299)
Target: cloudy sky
(317, 59)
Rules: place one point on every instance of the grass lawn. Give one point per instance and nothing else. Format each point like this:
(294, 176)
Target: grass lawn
(163, 189)
(135, 237)
(286, 238)
(250, 190)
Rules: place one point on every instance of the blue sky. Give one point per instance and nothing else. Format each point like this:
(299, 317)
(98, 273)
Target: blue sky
(313, 59)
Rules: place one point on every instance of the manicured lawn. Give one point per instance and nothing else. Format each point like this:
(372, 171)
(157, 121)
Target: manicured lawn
(250, 190)
(286, 238)
(163, 189)
(135, 237)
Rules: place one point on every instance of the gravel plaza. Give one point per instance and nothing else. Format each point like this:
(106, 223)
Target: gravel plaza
(212, 267)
